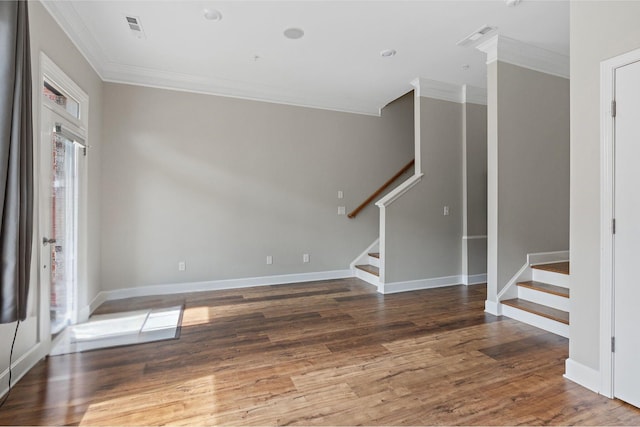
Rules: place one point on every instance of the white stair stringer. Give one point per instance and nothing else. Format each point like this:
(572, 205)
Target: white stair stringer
(527, 273)
(364, 257)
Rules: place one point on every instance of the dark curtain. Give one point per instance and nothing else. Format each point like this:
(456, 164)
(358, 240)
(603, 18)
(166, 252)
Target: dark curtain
(16, 161)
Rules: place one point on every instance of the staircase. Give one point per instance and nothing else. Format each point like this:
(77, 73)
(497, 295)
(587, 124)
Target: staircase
(543, 301)
(369, 272)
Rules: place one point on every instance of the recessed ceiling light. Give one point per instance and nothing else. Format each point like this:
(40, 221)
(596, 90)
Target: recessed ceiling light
(388, 53)
(293, 33)
(212, 14)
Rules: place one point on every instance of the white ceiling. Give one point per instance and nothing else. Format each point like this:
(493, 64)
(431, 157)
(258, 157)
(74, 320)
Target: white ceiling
(336, 65)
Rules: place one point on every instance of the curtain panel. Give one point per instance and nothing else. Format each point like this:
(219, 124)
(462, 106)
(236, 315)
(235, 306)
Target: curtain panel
(16, 161)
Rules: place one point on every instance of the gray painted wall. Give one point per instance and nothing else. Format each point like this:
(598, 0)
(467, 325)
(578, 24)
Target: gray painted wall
(421, 242)
(475, 189)
(48, 37)
(221, 183)
(617, 32)
(530, 137)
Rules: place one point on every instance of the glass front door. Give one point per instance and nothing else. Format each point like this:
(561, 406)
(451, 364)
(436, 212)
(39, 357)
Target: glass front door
(63, 239)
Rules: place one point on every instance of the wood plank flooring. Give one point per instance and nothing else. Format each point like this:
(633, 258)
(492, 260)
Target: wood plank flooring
(323, 353)
(556, 267)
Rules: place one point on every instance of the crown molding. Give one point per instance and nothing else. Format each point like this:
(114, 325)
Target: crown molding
(474, 95)
(427, 88)
(211, 85)
(67, 18)
(459, 94)
(505, 49)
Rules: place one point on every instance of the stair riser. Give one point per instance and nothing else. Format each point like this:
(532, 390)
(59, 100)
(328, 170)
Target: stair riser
(550, 277)
(367, 277)
(552, 326)
(550, 300)
(374, 261)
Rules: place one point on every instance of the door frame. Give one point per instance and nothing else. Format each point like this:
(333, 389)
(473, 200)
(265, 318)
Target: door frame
(607, 170)
(51, 72)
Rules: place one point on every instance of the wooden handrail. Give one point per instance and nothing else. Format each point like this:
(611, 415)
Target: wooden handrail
(357, 210)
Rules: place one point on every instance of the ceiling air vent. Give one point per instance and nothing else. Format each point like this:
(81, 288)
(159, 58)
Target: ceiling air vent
(135, 26)
(476, 35)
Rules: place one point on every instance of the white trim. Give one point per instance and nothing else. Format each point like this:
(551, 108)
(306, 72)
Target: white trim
(544, 298)
(365, 254)
(399, 191)
(202, 86)
(367, 277)
(22, 365)
(375, 261)
(214, 285)
(81, 37)
(473, 237)
(88, 310)
(493, 307)
(417, 136)
(541, 322)
(551, 277)
(582, 375)
(428, 88)
(607, 133)
(510, 289)
(515, 52)
(474, 95)
(547, 257)
(414, 285)
(383, 242)
(51, 72)
(474, 279)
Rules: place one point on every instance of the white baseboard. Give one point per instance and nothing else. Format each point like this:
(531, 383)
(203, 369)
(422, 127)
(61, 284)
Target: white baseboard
(474, 279)
(493, 307)
(582, 375)
(88, 310)
(414, 285)
(179, 288)
(21, 366)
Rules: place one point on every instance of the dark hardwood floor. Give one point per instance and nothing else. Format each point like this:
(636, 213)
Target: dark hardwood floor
(324, 353)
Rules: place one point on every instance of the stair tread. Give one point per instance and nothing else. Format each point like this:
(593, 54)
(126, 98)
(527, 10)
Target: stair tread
(539, 309)
(371, 269)
(546, 287)
(555, 267)
(374, 254)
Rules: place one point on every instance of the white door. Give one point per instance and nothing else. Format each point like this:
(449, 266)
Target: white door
(60, 166)
(626, 240)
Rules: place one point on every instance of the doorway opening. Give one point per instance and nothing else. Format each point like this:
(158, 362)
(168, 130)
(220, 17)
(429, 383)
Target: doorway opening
(62, 194)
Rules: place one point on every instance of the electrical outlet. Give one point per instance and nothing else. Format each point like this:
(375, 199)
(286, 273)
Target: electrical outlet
(269, 260)
(182, 266)
(305, 257)
(340, 194)
(341, 210)
(445, 211)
